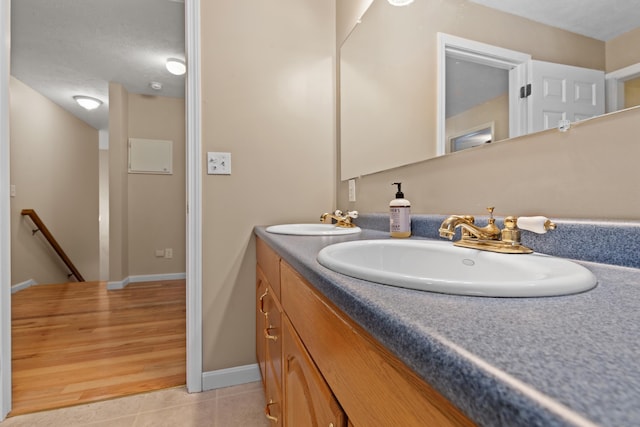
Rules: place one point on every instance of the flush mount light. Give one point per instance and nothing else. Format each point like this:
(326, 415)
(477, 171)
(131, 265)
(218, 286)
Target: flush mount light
(176, 66)
(156, 85)
(400, 2)
(87, 102)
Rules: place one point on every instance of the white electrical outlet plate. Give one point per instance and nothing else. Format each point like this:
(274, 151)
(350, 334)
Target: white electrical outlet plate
(168, 253)
(218, 163)
(352, 190)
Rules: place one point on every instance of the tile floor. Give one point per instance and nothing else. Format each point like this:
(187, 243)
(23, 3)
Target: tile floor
(241, 406)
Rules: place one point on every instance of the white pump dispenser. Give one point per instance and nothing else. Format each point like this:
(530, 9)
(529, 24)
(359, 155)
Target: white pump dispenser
(400, 214)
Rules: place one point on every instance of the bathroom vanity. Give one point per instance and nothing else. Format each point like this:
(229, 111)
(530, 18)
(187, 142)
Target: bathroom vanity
(348, 352)
(317, 364)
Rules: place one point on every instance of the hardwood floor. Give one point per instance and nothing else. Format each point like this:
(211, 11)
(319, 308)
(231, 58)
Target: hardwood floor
(76, 343)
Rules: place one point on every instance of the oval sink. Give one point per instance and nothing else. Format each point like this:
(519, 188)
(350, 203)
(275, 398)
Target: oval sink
(441, 267)
(312, 229)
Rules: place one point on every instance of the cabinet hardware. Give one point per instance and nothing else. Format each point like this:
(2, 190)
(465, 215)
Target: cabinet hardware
(269, 336)
(262, 301)
(267, 411)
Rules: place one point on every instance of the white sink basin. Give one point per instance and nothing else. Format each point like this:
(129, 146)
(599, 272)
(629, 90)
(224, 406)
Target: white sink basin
(312, 229)
(441, 267)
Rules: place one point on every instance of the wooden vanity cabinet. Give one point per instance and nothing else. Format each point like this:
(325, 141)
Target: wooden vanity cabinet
(334, 373)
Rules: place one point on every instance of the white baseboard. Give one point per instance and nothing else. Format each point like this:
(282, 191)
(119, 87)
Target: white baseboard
(230, 376)
(23, 285)
(144, 278)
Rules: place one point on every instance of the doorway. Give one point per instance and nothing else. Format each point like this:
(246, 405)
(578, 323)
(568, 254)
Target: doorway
(194, 244)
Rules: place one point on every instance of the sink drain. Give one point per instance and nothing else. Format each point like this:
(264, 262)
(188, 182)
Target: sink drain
(468, 262)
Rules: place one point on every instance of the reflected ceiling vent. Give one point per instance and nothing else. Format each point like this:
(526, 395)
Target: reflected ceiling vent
(87, 102)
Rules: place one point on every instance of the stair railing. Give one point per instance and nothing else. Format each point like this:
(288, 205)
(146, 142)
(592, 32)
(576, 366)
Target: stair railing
(52, 241)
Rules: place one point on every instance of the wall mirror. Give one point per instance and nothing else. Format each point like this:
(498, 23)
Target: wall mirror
(389, 76)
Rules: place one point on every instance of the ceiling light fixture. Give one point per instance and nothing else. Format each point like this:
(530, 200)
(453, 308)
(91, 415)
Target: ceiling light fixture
(400, 2)
(176, 66)
(87, 102)
(156, 85)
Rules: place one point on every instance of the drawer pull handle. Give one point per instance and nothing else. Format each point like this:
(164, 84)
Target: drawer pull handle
(262, 301)
(269, 336)
(267, 412)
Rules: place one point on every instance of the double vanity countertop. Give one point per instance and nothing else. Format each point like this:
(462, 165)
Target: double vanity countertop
(569, 360)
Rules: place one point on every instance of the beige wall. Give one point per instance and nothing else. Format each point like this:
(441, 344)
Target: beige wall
(118, 183)
(348, 12)
(54, 164)
(622, 51)
(588, 172)
(156, 215)
(268, 99)
(146, 212)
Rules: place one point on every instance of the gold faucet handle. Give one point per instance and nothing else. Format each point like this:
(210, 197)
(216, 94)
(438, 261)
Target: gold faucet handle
(536, 224)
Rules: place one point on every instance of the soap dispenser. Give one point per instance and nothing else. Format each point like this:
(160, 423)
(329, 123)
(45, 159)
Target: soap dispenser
(400, 214)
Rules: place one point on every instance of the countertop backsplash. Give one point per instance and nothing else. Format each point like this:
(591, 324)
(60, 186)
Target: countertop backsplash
(606, 242)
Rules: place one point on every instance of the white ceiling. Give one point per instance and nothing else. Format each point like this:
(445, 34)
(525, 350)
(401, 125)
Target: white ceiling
(63, 48)
(598, 19)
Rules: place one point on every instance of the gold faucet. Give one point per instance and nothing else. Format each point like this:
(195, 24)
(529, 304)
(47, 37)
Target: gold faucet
(342, 220)
(490, 237)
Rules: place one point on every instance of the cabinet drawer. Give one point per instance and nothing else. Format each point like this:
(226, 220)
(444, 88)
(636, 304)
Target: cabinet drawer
(371, 384)
(269, 262)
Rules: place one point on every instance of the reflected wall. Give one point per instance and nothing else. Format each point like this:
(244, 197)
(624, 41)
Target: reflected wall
(388, 74)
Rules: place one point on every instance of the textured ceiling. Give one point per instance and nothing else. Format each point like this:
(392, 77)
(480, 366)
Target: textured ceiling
(598, 19)
(63, 48)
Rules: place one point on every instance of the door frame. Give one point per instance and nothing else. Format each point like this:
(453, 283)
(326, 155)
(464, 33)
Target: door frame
(5, 218)
(614, 86)
(193, 208)
(194, 197)
(486, 54)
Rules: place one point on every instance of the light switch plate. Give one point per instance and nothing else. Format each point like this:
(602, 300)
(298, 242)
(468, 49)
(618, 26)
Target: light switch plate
(352, 190)
(218, 163)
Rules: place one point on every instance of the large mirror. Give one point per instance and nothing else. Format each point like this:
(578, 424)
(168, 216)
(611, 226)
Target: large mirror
(389, 74)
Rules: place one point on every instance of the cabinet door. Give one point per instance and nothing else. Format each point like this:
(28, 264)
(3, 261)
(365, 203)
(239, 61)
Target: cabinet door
(308, 400)
(261, 294)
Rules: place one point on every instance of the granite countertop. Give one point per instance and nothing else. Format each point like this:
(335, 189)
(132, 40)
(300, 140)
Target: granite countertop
(554, 361)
